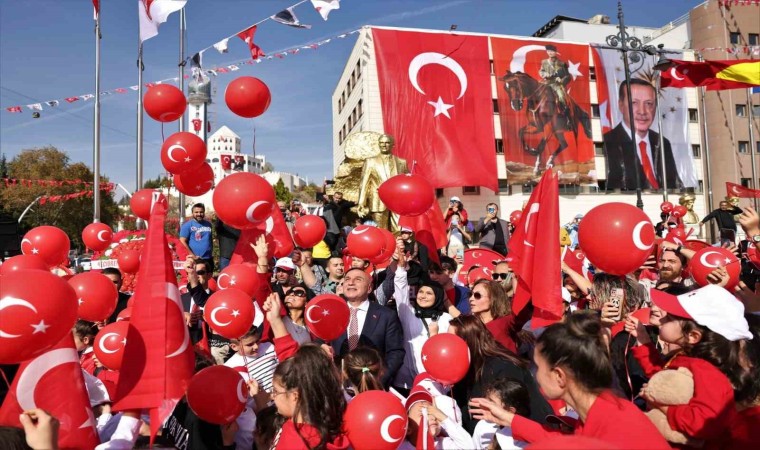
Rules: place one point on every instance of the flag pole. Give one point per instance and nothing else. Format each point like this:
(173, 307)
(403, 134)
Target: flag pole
(182, 124)
(707, 178)
(752, 145)
(96, 128)
(139, 172)
(661, 142)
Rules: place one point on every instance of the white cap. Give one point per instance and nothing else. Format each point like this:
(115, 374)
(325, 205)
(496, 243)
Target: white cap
(285, 263)
(455, 199)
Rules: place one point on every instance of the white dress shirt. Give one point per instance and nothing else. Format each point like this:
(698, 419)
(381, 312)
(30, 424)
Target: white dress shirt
(361, 316)
(649, 147)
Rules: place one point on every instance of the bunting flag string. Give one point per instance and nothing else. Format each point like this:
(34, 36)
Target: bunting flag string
(51, 183)
(740, 50)
(730, 3)
(214, 71)
(64, 197)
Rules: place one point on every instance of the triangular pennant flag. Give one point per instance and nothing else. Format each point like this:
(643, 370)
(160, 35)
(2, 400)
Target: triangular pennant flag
(221, 46)
(288, 17)
(35, 106)
(324, 7)
(247, 37)
(52, 103)
(196, 61)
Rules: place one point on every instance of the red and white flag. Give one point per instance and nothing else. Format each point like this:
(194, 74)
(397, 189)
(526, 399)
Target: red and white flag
(153, 13)
(14, 109)
(96, 9)
(158, 343)
(226, 161)
(534, 249)
(53, 381)
(737, 190)
(324, 7)
(429, 229)
(577, 261)
(247, 36)
(435, 90)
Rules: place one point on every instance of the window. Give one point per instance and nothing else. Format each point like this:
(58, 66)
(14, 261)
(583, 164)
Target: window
(743, 146)
(757, 147)
(503, 186)
(340, 137)
(499, 147)
(741, 110)
(492, 67)
(746, 182)
(594, 110)
(527, 188)
(754, 39)
(756, 111)
(569, 189)
(693, 115)
(696, 151)
(360, 106)
(439, 193)
(592, 73)
(598, 148)
(495, 106)
(470, 190)
(735, 37)
(215, 160)
(701, 186)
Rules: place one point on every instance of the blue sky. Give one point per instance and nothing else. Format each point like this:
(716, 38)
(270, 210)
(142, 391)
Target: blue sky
(47, 52)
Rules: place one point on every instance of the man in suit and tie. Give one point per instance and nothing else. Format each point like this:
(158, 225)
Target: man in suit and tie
(625, 157)
(370, 325)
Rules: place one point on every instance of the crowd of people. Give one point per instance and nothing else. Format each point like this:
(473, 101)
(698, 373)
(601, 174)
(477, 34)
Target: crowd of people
(603, 377)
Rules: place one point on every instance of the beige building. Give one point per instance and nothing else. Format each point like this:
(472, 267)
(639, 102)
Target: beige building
(357, 107)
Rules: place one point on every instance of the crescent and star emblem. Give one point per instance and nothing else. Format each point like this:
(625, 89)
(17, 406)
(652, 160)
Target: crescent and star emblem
(674, 74)
(177, 147)
(252, 210)
(216, 321)
(172, 293)
(325, 312)
(102, 346)
(533, 209)
(7, 302)
(100, 238)
(424, 59)
(703, 259)
(636, 236)
(385, 429)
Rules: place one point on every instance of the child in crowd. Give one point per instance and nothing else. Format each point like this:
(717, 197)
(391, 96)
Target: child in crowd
(362, 371)
(84, 336)
(512, 396)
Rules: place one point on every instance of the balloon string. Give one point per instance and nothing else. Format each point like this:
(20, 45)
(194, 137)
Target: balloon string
(5, 378)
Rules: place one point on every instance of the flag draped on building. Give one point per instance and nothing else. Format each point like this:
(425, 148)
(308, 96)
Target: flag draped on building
(435, 90)
(153, 13)
(53, 381)
(535, 252)
(247, 36)
(158, 343)
(714, 75)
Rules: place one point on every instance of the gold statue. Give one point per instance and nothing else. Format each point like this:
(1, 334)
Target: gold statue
(368, 163)
(687, 201)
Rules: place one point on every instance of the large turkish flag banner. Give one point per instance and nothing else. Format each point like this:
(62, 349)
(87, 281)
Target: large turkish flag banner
(435, 90)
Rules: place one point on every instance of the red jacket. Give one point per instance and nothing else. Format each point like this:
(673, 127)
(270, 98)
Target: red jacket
(291, 440)
(613, 420)
(87, 362)
(745, 430)
(505, 328)
(708, 415)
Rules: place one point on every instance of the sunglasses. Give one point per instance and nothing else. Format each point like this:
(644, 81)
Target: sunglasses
(201, 272)
(298, 293)
(496, 276)
(476, 295)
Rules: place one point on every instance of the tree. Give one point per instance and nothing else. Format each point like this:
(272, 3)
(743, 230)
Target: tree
(268, 167)
(49, 163)
(307, 194)
(282, 193)
(3, 167)
(159, 182)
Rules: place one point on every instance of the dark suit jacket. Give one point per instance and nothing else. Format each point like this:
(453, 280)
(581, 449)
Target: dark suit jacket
(622, 161)
(199, 296)
(381, 331)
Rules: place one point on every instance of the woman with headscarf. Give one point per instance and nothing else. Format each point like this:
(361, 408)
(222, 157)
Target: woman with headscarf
(421, 316)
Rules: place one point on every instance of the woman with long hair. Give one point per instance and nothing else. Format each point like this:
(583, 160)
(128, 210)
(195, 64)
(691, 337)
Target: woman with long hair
(363, 369)
(489, 361)
(295, 303)
(489, 303)
(573, 365)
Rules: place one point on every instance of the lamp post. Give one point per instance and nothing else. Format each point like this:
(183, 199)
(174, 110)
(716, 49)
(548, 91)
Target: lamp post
(662, 64)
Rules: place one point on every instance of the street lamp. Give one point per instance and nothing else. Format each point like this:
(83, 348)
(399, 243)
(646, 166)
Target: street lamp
(662, 64)
(632, 48)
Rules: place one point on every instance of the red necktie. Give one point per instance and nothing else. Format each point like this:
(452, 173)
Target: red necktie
(353, 330)
(648, 171)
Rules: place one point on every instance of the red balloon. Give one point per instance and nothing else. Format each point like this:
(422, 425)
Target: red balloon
(142, 201)
(129, 261)
(677, 236)
(666, 207)
(164, 103)
(23, 262)
(308, 231)
(49, 243)
(97, 236)
(125, 314)
(195, 182)
(479, 273)
(617, 238)
(217, 394)
(109, 344)
(243, 199)
(247, 97)
(212, 285)
(183, 152)
(365, 242)
(326, 316)
(229, 313)
(710, 258)
(679, 211)
(389, 247)
(446, 358)
(97, 295)
(515, 216)
(239, 276)
(37, 310)
(375, 420)
(407, 194)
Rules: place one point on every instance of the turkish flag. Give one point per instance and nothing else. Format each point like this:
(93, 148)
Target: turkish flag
(247, 36)
(161, 359)
(54, 382)
(737, 190)
(535, 252)
(715, 75)
(429, 229)
(577, 261)
(226, 162)
(435, 90)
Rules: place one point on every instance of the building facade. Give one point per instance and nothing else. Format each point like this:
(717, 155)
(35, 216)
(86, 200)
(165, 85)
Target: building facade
(357, 106)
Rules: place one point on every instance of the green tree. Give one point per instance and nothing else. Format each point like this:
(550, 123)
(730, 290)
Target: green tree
(307, 194)
(282, 193)
(268, 167)
(3, 167)
(49, 163)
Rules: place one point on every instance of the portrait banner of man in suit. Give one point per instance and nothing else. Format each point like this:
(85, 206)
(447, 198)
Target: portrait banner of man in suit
(625, 156)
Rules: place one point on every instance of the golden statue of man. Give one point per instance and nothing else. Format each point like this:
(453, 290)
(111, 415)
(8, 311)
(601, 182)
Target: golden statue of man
(687, 201)
(375, 171)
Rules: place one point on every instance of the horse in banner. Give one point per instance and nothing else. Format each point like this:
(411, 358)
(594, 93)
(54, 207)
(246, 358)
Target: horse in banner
(547, 117)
